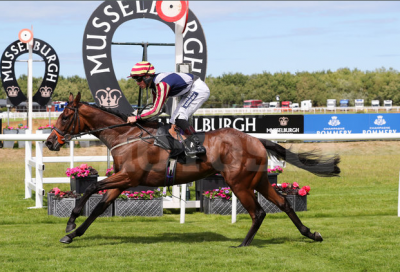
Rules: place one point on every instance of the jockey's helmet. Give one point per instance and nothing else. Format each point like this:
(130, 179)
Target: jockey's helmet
(141, 69)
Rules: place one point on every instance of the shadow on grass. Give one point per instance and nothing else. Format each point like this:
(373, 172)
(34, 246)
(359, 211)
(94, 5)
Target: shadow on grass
(189, 238)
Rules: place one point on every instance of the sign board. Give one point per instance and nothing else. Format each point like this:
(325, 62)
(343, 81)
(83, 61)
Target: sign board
(50, 78)
(96, 48)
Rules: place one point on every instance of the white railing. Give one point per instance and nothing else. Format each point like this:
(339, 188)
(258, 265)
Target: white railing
(36, 184)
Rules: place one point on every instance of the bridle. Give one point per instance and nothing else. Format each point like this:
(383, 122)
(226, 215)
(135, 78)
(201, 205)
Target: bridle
(62, 138)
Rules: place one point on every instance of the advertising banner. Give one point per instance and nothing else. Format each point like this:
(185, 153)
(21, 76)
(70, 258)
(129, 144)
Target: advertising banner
(282, 124)
(351, 123)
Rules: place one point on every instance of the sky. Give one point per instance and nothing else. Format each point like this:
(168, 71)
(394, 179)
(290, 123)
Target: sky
(247, 37)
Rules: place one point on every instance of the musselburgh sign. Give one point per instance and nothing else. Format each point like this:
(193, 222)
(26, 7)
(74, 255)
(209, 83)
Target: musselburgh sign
(50, 78)
(97, 41)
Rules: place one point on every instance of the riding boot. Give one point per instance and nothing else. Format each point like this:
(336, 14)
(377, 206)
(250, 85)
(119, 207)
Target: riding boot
(196, 148)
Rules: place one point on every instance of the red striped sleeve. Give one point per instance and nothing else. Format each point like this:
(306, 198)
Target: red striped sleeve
(162, 90)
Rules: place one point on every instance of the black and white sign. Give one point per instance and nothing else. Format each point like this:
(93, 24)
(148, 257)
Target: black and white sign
(96, 48)
(50, 78)
(281, 124)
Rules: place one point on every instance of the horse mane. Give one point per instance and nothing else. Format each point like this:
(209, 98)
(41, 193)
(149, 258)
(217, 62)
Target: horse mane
(123, 116)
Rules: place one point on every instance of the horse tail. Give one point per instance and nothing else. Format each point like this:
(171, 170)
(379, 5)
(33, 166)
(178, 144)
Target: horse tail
(311, 161)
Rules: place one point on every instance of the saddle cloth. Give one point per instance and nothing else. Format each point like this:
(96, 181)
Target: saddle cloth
(167, 142)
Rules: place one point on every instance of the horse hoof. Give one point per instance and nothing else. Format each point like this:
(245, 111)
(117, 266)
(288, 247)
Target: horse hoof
(66, 240)
(70, 227)
(318, 237)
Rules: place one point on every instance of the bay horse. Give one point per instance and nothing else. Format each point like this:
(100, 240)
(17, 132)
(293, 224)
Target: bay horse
(241, 159)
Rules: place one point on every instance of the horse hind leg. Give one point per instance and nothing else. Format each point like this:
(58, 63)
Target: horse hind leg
(265, 188)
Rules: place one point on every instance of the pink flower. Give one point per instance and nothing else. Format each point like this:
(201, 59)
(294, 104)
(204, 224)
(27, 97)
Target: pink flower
(295, 185)
(273, 185)
(56, 190)
(284, 185)
(83, 166)
(307, 188)
(302, 192)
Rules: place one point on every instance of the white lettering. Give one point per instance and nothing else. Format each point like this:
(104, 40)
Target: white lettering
(52, 65)
(138, 9)
(41, 51)
(248, 124)
(36, 47)
(192, 60)
(21, 46)
(50, 77)
(51, 58)
(192, 51)
(9, 64)
(95, 70)
(241, 127)
(188, 25)
(8, 55)
(15, 50)
(227, 122)
(206, 124)
(6, 74)
(103, 38)
(153, 8)
(122, 7)
(96, 25)
(109, 13)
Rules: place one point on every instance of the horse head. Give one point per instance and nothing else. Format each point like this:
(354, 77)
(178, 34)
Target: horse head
(68, 124)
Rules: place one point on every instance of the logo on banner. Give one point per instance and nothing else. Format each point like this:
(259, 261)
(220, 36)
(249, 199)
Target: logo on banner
(12, 91)
(46, 91)
(380, 121)
(108, 98)
(334, 122)
(283, 121)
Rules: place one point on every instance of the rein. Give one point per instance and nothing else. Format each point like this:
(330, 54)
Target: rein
(62, 138)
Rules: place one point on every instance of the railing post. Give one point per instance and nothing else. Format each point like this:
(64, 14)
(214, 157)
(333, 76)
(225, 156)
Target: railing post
(234, 207)
(28, 168)
(71, 154)
(183, 202)
(39, 174)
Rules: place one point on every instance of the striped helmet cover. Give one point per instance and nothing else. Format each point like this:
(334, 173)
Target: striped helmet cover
(142, 68)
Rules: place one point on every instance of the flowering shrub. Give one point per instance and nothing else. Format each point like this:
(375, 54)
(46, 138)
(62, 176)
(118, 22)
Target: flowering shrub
(45, 127)
(81, 171)
(276, 169)
(223, 193)
(58, 194)
(291, 189)
(10, 128)
(149, 194)
(110, 172)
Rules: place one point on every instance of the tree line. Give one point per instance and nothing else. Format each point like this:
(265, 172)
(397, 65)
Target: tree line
(231, 90)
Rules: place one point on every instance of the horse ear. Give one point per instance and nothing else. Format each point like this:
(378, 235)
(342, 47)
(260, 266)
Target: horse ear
(71, 97)
(77, 99)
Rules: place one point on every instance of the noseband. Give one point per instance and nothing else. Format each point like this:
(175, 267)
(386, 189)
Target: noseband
(61, 137)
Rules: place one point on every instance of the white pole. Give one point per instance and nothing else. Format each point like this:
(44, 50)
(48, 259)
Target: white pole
(30, 46)
(28, 168)
(234, 207)
(398, 206)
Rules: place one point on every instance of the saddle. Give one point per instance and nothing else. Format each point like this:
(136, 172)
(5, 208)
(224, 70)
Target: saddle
(175, 147)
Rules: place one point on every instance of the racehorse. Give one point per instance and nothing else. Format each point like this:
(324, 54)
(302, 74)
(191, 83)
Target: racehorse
(241, 159)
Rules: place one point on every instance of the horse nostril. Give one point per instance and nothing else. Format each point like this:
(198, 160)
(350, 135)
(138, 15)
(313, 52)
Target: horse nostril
(48, 144)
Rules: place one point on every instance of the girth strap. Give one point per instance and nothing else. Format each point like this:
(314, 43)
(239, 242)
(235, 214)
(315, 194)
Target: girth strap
(170, 172)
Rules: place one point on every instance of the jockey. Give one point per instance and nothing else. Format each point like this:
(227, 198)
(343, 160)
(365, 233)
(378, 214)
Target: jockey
(193, 92)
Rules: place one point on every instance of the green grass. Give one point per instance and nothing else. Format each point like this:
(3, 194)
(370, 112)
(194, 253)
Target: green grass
(356, 215)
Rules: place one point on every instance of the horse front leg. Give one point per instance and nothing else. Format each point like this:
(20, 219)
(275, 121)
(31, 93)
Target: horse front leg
(108, 183)
(106, 201)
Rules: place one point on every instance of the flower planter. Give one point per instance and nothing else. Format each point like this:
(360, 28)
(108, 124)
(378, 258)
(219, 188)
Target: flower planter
(298, 203)
(9, 144)
(221, 206)
(138, 207)
(21, 144)
(92, 203)
(43, 131)
(80, 184)
(64, 206)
